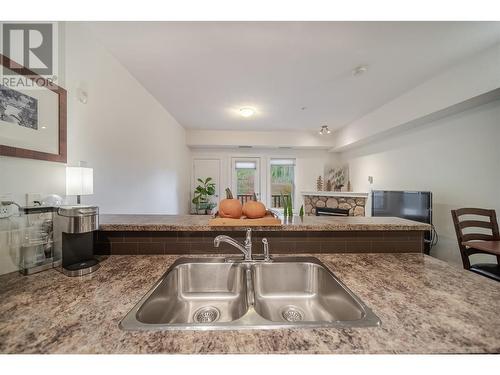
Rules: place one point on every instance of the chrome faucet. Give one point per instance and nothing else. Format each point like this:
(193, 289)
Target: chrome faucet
(246, 248)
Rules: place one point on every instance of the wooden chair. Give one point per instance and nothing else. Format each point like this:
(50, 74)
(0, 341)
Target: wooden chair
(490, 270)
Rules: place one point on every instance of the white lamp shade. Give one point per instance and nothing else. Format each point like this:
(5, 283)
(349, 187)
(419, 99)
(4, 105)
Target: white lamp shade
(79, 181)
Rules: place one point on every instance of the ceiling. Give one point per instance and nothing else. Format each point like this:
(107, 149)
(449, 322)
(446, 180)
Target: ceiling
(297, 75)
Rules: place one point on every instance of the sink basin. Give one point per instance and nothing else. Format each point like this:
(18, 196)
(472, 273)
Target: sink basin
(197, 293)
(217, 293)
(299, 291)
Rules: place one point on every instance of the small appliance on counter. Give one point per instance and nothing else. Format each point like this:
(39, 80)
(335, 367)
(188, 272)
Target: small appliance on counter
(28, 236)
(36, 244)
(74, 228)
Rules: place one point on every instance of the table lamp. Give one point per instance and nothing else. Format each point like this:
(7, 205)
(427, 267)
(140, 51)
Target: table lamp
(79, 181)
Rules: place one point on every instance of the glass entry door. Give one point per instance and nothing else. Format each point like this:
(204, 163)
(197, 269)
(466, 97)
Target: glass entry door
(245, 178)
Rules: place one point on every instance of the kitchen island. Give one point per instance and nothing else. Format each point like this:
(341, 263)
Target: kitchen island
(192, 234)
(425, 305)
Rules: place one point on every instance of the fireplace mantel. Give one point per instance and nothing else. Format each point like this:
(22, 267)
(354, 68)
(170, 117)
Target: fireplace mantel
(347, 194)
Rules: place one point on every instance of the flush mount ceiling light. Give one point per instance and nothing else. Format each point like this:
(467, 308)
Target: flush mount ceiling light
(247, 111)
(359, 70)
(324, 130)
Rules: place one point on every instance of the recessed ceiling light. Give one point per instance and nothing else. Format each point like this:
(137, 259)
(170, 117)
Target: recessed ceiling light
(359, 70)
(324, 130)
(247, 111)
(44, 127)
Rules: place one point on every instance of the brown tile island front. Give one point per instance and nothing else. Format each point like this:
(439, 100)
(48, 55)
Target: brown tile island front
(191, 234)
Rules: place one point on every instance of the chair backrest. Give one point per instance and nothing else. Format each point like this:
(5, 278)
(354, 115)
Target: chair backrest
(460, 225)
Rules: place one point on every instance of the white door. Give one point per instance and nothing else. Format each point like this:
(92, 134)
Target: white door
(203, 168)
(245, 177)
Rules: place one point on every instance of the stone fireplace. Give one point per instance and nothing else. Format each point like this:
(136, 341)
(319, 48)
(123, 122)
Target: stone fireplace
(354, 202)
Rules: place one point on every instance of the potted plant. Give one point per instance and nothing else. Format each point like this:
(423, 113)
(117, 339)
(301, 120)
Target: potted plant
(202, 194)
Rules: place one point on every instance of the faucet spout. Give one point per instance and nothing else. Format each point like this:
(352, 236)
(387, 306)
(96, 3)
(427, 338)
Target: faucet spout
(246, 248)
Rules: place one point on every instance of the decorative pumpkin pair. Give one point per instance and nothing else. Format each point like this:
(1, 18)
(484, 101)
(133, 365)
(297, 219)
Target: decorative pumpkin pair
(232, 208)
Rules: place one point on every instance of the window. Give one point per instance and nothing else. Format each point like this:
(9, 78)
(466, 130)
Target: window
(246, 178)
(282, 180)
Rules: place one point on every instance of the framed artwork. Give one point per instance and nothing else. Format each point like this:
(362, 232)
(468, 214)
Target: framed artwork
(338, 177)
(32, 115)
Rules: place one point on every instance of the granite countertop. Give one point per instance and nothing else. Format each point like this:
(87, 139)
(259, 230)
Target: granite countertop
(426, 306)
(306, 223)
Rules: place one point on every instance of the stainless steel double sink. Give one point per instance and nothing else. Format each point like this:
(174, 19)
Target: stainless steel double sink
(219, 293)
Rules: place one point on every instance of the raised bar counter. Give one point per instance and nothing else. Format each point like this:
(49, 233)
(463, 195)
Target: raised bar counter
(199, 223)
(191, 234)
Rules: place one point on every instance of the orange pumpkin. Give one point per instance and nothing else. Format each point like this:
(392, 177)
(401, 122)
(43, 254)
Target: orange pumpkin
(254, 209)
(230, 207)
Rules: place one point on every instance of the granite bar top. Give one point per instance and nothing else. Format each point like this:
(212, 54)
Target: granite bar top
(426, 306)
(306, 223)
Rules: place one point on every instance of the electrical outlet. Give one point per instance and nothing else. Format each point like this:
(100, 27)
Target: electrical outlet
(31, 198)
(5, 211)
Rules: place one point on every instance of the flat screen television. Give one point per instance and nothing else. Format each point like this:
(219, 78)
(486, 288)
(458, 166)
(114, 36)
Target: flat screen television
(412, 205)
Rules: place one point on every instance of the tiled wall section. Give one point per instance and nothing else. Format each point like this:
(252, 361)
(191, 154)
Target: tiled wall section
(280, 242)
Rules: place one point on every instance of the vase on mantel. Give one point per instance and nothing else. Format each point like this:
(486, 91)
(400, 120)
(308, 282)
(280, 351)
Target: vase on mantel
(328, 185)
(319, 184)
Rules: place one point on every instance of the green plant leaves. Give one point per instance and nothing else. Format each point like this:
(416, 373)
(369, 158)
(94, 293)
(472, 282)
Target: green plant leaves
(203, 192)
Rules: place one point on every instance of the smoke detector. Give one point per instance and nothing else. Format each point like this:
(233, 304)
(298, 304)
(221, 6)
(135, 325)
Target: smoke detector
(359, 70)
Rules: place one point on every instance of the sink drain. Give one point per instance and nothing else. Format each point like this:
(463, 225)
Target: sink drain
(292, 314)
(207, 314)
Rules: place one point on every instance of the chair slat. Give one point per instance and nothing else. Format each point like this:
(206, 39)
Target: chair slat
(473, 211)
(475, 224)
(477, 236)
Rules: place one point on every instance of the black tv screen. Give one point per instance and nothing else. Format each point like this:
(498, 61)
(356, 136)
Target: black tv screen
(412, 205)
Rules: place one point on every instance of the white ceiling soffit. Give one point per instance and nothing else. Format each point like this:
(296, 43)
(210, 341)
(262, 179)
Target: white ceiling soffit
(470, 83)
(297, 75)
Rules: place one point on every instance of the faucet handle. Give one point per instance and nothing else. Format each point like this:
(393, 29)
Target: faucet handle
(267, 256)
(248, 238)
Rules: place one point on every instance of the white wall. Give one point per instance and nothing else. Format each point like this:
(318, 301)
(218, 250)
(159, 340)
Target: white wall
(309, 165)
(137, 149)
(457, 158)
